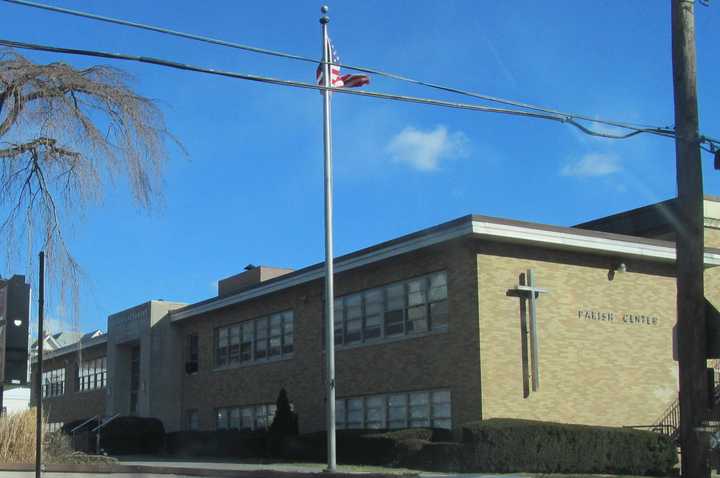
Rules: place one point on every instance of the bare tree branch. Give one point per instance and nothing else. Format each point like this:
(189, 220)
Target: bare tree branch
(64, 134)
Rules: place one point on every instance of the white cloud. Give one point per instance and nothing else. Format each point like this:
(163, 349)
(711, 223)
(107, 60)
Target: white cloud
(593, 164)
(425, 150)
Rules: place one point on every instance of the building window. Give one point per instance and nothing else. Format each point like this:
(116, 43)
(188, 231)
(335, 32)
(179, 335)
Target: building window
(396, 410)
(254, 417)
(54, 426)
(410, 307)
(256, 340)
(53, 382)
(92, 374)
(191, 353)
(192, 420)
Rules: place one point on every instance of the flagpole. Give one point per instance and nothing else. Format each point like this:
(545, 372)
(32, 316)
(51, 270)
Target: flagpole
(329, 286)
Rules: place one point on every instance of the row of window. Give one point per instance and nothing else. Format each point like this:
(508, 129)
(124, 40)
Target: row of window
(396, 410)
(53, 382)
(255, 340)
(255, 417)
(414, 306)
(92, 374)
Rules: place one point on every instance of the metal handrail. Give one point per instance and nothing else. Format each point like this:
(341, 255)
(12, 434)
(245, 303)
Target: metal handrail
(96, 417)
(102, 425)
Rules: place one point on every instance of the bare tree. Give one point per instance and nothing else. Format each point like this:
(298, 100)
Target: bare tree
(65, 135)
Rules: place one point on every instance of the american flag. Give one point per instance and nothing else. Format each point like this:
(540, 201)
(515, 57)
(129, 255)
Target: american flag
(336, 79)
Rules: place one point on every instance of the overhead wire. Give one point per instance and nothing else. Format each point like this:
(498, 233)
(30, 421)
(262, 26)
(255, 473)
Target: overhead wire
(373, 71)
(299, 84)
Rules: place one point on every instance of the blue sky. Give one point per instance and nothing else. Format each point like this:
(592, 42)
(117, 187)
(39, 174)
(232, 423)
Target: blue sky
(250, 188)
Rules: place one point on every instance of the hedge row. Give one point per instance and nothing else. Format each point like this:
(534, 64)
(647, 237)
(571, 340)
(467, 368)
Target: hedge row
(363, 447)
(510, 445)
(133, 435)
(219, 444)
(493, 446)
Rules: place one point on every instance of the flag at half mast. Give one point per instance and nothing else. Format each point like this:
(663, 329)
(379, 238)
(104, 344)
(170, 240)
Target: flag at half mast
(337, 80)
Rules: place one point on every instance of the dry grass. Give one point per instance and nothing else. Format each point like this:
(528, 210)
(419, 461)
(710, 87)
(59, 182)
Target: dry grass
(17, 442)
(17, 437)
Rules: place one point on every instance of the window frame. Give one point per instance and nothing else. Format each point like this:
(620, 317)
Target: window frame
(391, 421)
(91, 374)
(252, 348)
(402, 324)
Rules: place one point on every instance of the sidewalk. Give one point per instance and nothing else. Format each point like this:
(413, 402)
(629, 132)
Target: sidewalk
(144, 467)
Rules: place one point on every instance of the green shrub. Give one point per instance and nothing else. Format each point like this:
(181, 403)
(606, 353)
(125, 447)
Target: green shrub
(365, 447)
(285, 423)
(217, 443)
(436, 456)
(132, 435)
(510, 445)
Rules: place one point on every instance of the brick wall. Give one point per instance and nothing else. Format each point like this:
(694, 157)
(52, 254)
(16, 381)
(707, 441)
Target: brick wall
(442, 360)
(591, 371)
(73, 404)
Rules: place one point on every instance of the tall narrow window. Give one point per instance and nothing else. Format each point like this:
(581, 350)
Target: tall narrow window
(419, 409)
(417, 308)
(222, 346)
(234, 344)
(288, 333)
(248, 336)
(353, 318)
(191, 353)
(373, 313)
(275, 335)
(437, 297)
(395, 312)
(397, 411)
(261, 338)
(375, 412)
(339, 322)
(340, 419)
(355, 413)
(441, 409)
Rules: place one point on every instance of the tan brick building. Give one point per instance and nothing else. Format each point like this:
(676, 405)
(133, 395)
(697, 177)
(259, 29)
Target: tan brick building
(432, 329)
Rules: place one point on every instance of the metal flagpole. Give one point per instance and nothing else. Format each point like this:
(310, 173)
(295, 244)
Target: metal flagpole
(329, 287)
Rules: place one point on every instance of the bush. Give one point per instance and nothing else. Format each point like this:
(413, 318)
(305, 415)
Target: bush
(285, 423)
(436, 456)
(510, 445)
(365, 447)
(132, 435)
(218, 443)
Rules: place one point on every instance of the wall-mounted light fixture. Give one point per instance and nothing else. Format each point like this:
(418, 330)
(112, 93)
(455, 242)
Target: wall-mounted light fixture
(616, 268)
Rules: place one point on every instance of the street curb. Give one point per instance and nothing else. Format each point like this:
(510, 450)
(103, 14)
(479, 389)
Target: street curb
(172, 470)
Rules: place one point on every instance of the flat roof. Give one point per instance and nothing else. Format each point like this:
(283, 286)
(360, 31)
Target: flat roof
(73, 347)
(481, 227)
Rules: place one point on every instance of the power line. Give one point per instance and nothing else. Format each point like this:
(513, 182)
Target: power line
(299, 84)
(264, 51)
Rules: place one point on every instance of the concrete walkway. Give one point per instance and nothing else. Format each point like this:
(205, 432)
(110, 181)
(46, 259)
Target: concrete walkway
(141, 467)
(305, 468)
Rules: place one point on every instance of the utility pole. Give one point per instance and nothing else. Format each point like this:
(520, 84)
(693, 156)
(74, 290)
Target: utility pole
(38, 374)
(689, 244)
